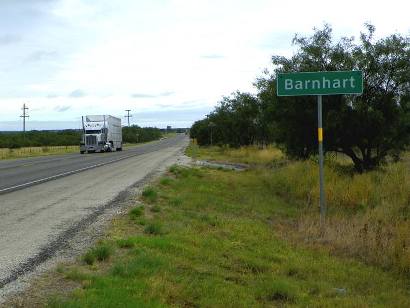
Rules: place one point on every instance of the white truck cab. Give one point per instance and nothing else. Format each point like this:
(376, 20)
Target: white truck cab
(101, 133)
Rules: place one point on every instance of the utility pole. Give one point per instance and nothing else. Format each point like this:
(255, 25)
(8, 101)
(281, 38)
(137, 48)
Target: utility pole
(128, 116)
(24, 116)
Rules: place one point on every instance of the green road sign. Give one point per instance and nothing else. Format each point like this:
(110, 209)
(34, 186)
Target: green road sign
(319, 83)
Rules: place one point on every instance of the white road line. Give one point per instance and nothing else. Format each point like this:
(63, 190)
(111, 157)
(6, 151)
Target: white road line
(60, 175)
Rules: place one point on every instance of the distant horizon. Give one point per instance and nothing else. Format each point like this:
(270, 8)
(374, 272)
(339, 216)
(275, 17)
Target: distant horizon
(159, 119)
(16, 126)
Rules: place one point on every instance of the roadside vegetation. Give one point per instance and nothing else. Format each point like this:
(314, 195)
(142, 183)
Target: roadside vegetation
(212, 237)
(368, 214)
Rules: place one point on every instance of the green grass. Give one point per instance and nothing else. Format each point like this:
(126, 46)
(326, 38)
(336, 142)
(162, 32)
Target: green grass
(126, 243)
(136, 212)
(156, 208)
(221, 249)
(154, 228)
(89, 257)
(165, 181)
(101, 252)
(150, 194)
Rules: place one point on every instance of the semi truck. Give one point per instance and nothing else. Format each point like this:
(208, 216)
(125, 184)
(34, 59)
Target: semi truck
(101, 133)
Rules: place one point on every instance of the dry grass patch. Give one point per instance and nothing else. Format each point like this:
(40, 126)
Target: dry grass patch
(368, 215)
(381, 242)
(247, 155)
(37, 151)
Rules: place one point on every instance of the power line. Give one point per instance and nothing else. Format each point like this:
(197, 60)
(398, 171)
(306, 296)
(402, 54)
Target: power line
(128, 116)
(24, 116)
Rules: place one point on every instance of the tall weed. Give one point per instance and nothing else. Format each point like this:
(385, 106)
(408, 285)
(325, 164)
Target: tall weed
(368, 214)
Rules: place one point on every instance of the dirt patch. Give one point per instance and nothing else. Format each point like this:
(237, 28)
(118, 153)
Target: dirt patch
(40, 291)
(222, 165)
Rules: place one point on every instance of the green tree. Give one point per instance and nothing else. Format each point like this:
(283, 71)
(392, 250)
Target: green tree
(233, 122)
(136, 134)
(367, 128)
(39, 138)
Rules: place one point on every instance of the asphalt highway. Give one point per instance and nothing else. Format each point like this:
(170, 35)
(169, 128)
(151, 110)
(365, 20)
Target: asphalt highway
(21, 173)
(47, 203)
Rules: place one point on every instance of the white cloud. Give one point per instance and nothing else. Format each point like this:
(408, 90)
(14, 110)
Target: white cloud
(151, 55)
(77, 93)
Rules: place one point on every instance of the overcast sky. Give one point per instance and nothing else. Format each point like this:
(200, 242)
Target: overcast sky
(169, 61)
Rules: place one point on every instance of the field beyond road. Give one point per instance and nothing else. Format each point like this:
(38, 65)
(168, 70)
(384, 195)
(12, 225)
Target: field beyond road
(203, 237)
(26, 152)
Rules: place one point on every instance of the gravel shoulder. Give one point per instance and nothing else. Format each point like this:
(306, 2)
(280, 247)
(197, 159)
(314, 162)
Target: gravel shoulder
(58, 220)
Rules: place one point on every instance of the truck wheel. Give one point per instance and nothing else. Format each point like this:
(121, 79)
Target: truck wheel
(118, 149)
(81, 152)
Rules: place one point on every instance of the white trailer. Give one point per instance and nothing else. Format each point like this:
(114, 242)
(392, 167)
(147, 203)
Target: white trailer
(101, 133)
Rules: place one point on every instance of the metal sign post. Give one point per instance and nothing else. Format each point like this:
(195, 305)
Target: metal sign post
(320, 83)
(322, 200)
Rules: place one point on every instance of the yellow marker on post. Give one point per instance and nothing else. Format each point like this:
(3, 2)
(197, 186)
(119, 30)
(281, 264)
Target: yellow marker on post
(320, 134)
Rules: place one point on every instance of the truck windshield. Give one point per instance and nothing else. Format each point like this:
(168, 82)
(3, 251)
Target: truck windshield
(93, 132)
